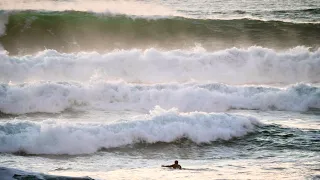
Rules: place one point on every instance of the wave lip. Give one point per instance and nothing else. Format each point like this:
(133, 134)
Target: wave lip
(51, 137)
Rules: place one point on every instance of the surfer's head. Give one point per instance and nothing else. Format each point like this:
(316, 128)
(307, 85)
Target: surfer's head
(175, 162)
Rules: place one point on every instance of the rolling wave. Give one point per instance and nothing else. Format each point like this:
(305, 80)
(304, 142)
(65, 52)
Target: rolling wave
(54, 97)
(54, 137)
(69, 31)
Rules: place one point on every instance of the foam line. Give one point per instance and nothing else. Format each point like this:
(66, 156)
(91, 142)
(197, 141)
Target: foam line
(13, 174)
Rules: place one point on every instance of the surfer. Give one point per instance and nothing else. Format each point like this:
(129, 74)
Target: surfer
(174, 166)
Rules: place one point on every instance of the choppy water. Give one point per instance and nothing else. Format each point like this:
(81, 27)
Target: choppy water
(115, 89)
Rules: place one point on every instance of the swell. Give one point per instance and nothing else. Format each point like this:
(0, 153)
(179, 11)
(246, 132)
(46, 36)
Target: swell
(307, 15)
(314, 11)
(50, 97)
(276, 137)
(68, 31)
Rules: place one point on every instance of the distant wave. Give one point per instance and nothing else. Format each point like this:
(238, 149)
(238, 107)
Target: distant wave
(304, 15)
(69, 31)
(51, 97)
(315, 11)
(254, 65)
(53, 137)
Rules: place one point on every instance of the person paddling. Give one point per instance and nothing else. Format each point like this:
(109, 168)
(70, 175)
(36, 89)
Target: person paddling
(174, 166)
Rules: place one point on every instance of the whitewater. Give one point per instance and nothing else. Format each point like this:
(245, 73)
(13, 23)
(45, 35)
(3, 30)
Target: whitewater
(115, 89)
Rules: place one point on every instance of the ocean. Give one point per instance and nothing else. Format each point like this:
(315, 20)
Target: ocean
(93, 89)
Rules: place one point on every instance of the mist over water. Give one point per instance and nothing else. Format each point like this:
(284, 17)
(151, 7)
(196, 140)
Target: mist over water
(115, 89)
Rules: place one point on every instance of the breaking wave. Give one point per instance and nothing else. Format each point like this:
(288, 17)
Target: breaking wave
(255, 65)
(51, 97)
(54, 137)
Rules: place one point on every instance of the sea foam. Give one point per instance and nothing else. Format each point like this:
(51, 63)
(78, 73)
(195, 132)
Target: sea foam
(54, 137)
